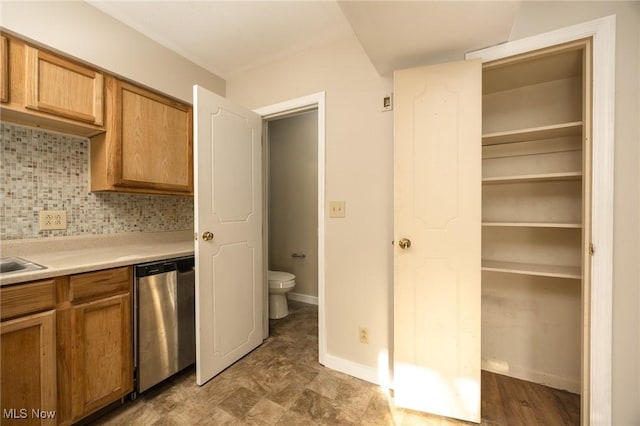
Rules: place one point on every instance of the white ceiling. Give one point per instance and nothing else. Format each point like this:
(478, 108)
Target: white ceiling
(401, 34)
(226, 37)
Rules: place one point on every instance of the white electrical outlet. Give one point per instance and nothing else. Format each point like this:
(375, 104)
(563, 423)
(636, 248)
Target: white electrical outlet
(336, 209)
(53, 219)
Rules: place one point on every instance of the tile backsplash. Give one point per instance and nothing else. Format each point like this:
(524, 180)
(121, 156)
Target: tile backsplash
(42, 170)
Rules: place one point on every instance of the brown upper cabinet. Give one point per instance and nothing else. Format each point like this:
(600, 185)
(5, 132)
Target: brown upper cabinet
(43, 89)
(147, 147)
(4, 69)
(141, 140)
(60, 87)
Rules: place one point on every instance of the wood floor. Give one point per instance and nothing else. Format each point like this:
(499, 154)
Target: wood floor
(281, 383)
(509, 401)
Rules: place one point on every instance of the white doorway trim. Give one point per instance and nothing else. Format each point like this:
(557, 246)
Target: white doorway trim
(603, 31)
(313, 101)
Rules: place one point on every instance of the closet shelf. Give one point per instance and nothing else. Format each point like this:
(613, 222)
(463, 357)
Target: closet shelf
(535, 133)
(534, 224)
(556, 271)
(543, 177)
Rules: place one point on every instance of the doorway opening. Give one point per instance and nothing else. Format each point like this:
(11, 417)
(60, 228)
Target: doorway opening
(292, 204)
(293, 200)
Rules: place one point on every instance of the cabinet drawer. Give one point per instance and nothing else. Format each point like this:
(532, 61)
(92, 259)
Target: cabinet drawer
(101, 283)
(23, 299)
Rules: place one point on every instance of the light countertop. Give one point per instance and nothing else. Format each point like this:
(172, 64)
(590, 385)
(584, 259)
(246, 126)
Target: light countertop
(73, 255)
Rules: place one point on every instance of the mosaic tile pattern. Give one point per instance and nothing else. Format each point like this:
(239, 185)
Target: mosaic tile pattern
(43, 170)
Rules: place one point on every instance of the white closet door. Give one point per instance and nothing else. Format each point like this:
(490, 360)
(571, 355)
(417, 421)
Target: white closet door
(228, 204)
(438, 209)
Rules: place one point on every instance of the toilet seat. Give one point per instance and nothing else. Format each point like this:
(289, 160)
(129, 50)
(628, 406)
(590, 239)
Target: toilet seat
(280, 279)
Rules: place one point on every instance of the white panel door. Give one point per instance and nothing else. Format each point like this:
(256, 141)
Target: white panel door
(228, 204)
(437, 189)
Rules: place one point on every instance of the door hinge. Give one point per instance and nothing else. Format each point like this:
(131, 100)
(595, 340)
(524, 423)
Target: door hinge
(592, 249)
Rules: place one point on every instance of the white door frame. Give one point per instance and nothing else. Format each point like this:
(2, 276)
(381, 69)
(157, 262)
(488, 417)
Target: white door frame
(313, 101)
(603, 31)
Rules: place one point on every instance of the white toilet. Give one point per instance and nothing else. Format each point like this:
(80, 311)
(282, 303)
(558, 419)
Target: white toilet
(280, 283)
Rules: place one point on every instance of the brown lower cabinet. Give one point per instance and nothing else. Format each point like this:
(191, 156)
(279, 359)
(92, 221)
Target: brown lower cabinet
(28, 377)
(66, 348)
(95, 355)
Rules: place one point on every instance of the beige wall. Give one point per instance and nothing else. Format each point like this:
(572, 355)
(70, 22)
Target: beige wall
(359, 170)
(537, 17)
(293, 199)
(82, 31)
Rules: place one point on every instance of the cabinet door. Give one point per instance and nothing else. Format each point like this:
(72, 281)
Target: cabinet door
(4, 69)
(156, 140)
(63, 88)
(102, 368)
(28, 378)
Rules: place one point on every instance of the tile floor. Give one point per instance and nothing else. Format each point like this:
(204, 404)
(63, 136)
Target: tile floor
(282, 383)
(279, 383)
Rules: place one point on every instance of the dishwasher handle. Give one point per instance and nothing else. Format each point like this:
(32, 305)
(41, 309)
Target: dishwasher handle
(155, 268)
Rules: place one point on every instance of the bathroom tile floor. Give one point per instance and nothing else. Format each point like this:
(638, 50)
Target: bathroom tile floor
(280, 383)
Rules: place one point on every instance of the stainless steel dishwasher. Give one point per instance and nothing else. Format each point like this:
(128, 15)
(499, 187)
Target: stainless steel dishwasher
(164, 320)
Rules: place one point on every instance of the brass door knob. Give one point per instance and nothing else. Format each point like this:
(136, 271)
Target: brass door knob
(207, 236)
(404, 243)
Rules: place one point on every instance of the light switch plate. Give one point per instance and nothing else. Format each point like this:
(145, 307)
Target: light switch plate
(336, 209)
(53, 219)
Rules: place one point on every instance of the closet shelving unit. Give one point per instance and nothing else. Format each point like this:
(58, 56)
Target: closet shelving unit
(532, 165)
(534, 179)
(537, 133)
(553, 271)
(539, 177)
(534, 224)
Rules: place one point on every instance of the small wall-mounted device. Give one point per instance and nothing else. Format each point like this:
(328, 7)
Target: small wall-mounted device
(336, 209)
(387, 102)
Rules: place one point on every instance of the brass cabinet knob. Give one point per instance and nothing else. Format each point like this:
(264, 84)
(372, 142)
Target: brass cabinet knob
(207, 236)
(404, 243)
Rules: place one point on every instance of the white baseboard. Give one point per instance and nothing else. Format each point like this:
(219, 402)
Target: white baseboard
(556, 382)
(305, 298)
(351, 368)
(372, 375)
